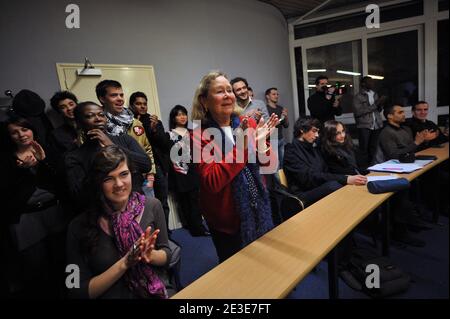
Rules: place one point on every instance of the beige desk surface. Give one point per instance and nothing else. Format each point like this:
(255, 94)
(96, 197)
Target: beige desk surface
(273, 265)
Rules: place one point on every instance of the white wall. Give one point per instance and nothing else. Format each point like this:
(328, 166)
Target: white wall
(182, 39)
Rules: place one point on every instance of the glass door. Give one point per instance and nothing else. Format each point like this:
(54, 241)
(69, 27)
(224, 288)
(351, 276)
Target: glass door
(341, 63)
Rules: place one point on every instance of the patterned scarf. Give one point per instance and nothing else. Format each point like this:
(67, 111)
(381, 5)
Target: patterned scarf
(119, 124)
(250, 197)
(141, 278)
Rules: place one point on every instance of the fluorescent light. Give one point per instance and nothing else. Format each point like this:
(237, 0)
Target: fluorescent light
(316, 70)
(348, 72)
(311, 86)
(376, 77)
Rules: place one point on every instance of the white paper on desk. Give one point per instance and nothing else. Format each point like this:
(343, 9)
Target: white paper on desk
(422, 163)
(392, 167)
(381, 178)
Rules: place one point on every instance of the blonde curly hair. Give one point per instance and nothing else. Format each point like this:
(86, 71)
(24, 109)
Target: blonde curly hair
(198, 109)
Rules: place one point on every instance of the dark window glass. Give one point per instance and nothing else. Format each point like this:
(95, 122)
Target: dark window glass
(395, 59)
(357, 20)
(443, 5)
(300, 86)
(336, 61)
(442, 87)
(442, 120)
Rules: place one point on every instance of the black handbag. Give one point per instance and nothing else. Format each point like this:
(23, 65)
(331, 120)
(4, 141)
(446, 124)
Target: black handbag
(392, 279)
(40, 200)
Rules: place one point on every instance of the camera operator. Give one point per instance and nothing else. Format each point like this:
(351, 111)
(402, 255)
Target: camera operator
(323, 105)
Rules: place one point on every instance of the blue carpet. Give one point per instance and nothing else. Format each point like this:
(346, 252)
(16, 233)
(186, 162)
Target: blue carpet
(427, 266)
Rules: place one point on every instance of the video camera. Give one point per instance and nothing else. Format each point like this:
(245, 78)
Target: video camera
(336, 90)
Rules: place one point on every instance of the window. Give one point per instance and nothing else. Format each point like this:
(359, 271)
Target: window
(394, 59)
(357, 20)
(300, 86)
(443, 5)
(342, 64)
(442, 85)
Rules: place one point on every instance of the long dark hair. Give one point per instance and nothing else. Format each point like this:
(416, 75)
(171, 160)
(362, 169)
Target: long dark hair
(105, 161)
(8, 145)
(173, 114)
(328, 142)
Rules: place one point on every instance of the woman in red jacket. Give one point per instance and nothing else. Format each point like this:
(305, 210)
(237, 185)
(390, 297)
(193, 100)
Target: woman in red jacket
(233, 198)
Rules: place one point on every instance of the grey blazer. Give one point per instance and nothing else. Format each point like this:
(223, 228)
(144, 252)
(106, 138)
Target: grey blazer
(363, 110)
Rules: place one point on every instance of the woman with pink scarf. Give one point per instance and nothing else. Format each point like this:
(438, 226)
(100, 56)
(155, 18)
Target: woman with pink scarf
(120, 245)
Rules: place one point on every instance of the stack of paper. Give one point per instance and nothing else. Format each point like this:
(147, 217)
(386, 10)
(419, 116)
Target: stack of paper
(389, 166)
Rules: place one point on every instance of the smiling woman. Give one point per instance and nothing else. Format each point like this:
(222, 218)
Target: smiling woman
(120, 243)
(233, 197)
(30, 214)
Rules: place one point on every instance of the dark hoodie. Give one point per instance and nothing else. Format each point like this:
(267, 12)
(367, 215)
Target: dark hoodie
(31, 106)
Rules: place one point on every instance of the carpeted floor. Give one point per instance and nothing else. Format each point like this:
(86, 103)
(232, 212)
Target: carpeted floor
(427, 266)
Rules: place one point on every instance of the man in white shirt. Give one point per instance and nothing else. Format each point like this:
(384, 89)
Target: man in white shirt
(367, 107)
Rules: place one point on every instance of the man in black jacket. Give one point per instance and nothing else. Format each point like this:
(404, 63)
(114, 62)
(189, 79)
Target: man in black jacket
(323, 105)
(306, 171)
(437, 177)
(419, 122)
(65, 137)
(161, 145)
(91, 119)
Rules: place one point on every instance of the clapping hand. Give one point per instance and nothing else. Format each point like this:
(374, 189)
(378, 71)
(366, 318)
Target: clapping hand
(264, 130)
(256, 114)
(38, 154)
(430, 135)
(26, 162)
(142, 249)
(37, 151)
(148, 241)
(133, 256)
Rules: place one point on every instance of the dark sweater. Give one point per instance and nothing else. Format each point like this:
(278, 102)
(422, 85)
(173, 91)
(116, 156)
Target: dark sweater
(395, 141)
(417, 125)
(305, 168)
(62, 139)
(160, 141)
(107, 254)
(179, 182)
(283, 124)
(18, 185)
(342, 161)
(321, 108)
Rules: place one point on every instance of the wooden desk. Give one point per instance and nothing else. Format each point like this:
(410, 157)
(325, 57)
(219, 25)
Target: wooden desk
(273, 265)
(441, 154)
